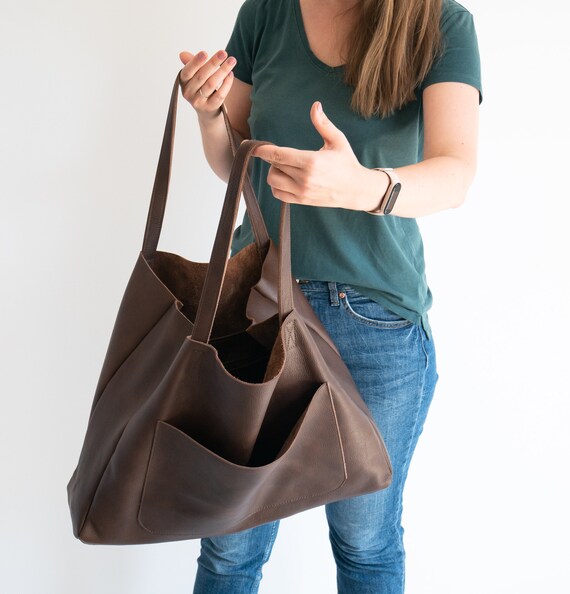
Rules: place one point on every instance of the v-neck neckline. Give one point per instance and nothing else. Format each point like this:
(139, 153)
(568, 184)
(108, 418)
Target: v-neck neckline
(305, 41)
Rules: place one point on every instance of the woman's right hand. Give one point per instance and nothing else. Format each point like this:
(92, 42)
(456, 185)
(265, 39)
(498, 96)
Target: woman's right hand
(214, 77)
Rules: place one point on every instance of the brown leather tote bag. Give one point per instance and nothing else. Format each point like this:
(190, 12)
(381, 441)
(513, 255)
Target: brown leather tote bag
(222, 403)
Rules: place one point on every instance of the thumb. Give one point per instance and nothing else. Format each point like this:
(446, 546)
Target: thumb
(329, 132)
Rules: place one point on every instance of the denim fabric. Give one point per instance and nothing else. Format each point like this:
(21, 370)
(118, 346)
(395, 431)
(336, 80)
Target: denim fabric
(394, 366)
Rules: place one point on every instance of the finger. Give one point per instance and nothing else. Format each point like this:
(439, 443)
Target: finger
(282, 155)
(279, 180)
(294, 197)
(215, 81)
(198, 76)
(290, 170)
(192, 66)
(185, 57)
(217, 97)
(284, 195)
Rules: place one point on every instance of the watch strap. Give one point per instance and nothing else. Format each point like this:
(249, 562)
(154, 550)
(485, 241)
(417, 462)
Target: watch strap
(389, 198)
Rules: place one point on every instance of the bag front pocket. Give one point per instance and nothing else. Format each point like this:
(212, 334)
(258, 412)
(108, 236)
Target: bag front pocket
(189, 490)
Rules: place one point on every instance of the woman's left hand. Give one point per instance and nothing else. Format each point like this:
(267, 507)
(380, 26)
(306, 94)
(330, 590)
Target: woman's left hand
(331, 176)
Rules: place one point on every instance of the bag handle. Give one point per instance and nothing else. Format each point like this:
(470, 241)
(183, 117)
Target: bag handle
(215, 274)
(157, 207)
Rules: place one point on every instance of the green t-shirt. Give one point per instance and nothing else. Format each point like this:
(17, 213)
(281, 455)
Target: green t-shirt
(380, 256)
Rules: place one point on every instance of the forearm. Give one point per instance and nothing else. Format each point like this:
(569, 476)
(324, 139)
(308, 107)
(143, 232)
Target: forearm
(430, 186)
(216, 144)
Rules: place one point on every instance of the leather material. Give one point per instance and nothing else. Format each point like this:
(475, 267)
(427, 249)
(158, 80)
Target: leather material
(222, 402)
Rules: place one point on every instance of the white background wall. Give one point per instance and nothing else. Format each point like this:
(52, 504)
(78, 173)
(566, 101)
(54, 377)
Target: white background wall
(84, 96)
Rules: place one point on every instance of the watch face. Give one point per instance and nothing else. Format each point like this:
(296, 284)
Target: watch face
(392, 198)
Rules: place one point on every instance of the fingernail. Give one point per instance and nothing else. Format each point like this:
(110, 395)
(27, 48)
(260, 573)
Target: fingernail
(201, 55)
(221, 55)
(319, 107)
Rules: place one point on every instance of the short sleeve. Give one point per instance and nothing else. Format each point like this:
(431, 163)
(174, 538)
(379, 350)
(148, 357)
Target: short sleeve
(241, 44)
(460, 60)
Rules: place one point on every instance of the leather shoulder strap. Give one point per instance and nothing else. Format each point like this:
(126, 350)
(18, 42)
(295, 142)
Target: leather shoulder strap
(159, 196)
(211, 291)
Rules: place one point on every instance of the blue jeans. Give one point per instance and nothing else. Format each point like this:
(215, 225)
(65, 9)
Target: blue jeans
(394, 366)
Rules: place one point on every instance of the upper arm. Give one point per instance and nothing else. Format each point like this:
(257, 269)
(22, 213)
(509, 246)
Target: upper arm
(452, 92)
(238, 103)
(451, 122)
(242, 44)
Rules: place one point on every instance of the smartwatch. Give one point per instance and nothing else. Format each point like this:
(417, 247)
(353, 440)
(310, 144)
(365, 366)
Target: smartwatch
(389, 199)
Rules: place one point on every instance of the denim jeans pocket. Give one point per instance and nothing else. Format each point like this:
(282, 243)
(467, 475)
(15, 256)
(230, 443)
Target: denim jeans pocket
(367, 311)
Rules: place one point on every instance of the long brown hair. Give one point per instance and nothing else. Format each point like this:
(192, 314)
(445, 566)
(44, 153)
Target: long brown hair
(390, 51)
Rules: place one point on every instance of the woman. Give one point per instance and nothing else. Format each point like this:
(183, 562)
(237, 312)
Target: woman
(399, 82)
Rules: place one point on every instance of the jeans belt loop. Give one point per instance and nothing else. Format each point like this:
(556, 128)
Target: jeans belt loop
(333, 293)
